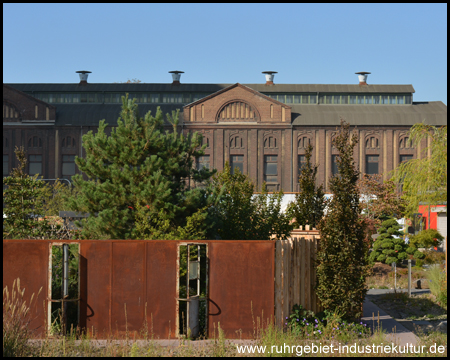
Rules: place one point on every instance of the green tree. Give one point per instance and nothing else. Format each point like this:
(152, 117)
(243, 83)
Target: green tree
(139, 173)
(54, 197)
(22, 205)
(386, 248)
(342, 259)
(309, 204)
(424, 180)
(239, 214)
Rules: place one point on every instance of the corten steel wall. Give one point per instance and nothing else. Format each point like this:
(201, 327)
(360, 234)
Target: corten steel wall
(132, 276)
(241, 286)
(28, 261)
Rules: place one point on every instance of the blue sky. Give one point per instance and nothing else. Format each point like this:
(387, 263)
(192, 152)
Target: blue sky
(229, 43)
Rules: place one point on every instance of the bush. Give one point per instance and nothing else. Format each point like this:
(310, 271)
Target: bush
(426, 239)
(16, 318)
(419, 263)
(433, 257)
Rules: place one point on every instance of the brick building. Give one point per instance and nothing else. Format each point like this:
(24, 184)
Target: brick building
(262, 129)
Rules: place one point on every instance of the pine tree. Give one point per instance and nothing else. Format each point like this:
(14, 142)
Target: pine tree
(22, 203)
(139, 173)
(387, 248)
(342, 261)
(309, 204)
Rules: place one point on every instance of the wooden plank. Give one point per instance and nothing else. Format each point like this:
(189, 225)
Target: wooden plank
(302, 271)
(286, 251)
(307, 275)
(278, 284)
(296, 273)
(313, 275)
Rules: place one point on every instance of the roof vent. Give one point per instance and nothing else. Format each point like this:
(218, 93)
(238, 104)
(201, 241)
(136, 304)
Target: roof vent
(362, 76)
(83, 76)
(269, 76)
(176, 76)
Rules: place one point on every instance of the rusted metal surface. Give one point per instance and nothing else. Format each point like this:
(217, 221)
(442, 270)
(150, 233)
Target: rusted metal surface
(122, 280)
(241, 284)
(28, 261)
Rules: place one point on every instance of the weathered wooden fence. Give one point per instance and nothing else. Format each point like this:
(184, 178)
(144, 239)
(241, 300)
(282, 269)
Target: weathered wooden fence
(295, 273)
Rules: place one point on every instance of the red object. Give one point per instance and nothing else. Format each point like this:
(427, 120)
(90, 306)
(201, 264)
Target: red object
(435, 248)
(130, 207)
(148, 206)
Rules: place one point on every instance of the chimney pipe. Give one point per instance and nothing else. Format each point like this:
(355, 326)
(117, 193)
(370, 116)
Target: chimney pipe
(176, 76)
(83, 76)
(269, 76)
(362, 76)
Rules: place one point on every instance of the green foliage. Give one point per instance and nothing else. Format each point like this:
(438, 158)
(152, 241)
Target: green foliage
(342, 264)
(426, 239)
(22, 203)
(241, 215)
(387, 248)
(437, 281)
(54, 197)
(325, 325)
(309, 204)
(424, 180)
(139, 179)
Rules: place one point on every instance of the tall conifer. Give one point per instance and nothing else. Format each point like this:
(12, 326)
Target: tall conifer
(342, 259)
(138, 172)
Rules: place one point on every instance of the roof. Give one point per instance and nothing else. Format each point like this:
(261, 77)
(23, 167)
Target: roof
(91, 114)
(433, 112)
(281, 88)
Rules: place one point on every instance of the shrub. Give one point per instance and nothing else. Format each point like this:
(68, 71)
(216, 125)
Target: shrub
(433, 257)
(16, 318)
(426, 239)
(386, 247)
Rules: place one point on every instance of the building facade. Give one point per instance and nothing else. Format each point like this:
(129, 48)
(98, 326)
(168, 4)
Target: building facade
(262, 129)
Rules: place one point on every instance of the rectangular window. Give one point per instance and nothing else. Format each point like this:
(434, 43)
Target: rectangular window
(237, 162)
(154, 98)
(353, 99)
(203, 162)
(76, 98)
(313, 99)
(392, 99)
(368, 99)
(321, 99)
(384, 99)
(68, 166)
(288, 99)
(360, 99)
(5, 165)
(405, 158)
(271, 168)
(371, 164)
(400, 99)
(376, 99)
(344, 99)
(281, 98)
(305, 99)
(297, 99)
(407, 99)
(301, 162)
(186, 98)
(334, 165)
(35, 162)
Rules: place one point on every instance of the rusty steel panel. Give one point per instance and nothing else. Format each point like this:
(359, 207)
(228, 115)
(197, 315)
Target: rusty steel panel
(162, 287)
(95, 286)
(28, 261)
(241, 286)
(128, 286)
(136, 275)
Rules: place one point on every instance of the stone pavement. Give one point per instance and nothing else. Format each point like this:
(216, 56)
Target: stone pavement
(374, 317)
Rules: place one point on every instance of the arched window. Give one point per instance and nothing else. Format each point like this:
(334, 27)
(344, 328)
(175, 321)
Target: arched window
(270, 142)
(10, 111)
(68, 142)
(35, 142)
(405, 143)
(372, 142)
(205, 140)
(303, 142)
(236, 110)
(236, 142)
